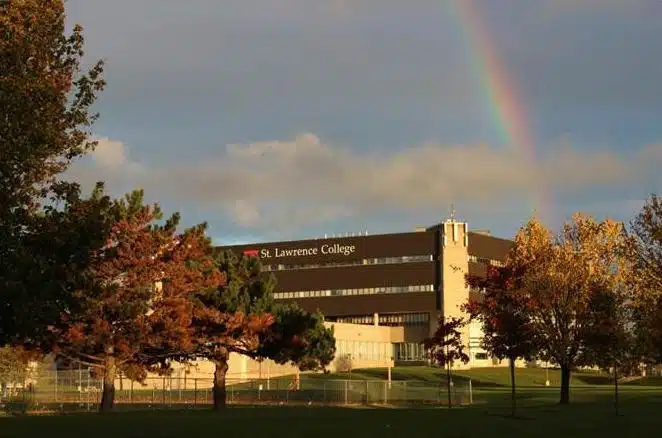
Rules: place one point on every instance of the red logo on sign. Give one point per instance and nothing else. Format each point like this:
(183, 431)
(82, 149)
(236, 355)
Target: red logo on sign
(251, 252)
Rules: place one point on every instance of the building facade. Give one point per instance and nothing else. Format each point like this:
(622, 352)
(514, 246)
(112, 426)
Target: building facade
(403, 281)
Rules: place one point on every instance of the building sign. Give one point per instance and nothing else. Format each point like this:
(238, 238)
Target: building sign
(252, 252)
(326, 249)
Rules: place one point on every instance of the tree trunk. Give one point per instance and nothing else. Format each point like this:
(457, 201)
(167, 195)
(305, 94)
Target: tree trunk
(221, 363)
(616, 388)
(565, 384)
(448, 384)
(513, 398)
(108, 395)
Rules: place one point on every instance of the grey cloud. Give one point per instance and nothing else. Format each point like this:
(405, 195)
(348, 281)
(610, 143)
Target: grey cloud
(231, 57)
(593, 6)
(305, 180)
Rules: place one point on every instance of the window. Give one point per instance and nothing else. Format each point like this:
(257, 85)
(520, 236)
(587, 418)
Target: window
(481, 356)
(377, 261)
(358, 291)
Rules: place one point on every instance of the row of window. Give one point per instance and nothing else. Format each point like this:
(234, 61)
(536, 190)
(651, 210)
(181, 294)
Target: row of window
(377, 261)
(382, 351)
(486, 261)
(364, 350)
(395, 319)
(359, 291)
(410, 351)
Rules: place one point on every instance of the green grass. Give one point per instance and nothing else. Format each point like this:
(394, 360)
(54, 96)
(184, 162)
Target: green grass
(591, 412)
(640, 416)
(484, 377)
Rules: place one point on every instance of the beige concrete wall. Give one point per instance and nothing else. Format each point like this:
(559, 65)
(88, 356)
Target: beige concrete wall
(360, 332)
(242, 368)
(370, 346)
(455, 266)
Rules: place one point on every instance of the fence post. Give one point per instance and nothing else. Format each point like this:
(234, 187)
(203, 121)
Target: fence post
(324, 391)
(163, 394)
(89, 371)
(170, 391)
(195, 392)
(386, 393)
(367, 397)
(55, 389)
(346, 391)
(471, 393)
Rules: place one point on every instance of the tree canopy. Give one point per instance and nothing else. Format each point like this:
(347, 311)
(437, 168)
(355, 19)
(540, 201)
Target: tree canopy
(502, 310)
(132, 296)
(262, 328)
(445, 347)
(645, 250)
(561, 274)
(45, 121)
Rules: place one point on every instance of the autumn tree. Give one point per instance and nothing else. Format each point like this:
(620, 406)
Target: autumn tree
(446, 347)
(609, 342)
(560, 275)
(45, 100)
(13, 366)
(645, 250)
(244, 295)
(508, 332)
(646, 234)
(132, 294)
(264, 329)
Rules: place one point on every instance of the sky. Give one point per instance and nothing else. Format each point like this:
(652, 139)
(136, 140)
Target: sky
(290, 119)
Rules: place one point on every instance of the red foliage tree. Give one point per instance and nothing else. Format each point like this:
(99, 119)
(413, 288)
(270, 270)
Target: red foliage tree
(132, 297)
(446, 347)
(230, 318)
(508, 332)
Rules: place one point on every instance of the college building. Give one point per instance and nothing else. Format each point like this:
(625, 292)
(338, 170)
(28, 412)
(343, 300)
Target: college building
(384, 293)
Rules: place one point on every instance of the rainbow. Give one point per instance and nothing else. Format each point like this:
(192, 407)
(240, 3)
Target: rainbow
(506, 105)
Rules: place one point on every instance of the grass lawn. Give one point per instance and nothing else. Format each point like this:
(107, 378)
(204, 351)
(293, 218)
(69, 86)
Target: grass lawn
(590, 414)
(480, 377)
(640, 416)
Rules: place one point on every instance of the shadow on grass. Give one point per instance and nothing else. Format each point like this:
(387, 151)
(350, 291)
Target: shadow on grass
(594, 380)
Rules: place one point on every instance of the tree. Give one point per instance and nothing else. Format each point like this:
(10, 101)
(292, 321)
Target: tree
(45, 101)
(647, 327)
(245, 296)
(56, 253)
(645, 251)
(646, 244)
(446, 347)
(133, 296)
(13, 366)
(297, 337)
(559, 276)
(508, 332)
(609, 342)
(265, 330)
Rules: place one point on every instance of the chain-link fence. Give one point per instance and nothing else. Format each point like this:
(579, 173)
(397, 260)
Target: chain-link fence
(79, 390)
